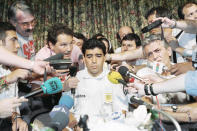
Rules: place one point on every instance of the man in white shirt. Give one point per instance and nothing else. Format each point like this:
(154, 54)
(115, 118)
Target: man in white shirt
(93, 89)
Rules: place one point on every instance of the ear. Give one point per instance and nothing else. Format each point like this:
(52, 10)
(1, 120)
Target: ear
(51, 46)
(13, 23)
(84, 61)
(169, 50)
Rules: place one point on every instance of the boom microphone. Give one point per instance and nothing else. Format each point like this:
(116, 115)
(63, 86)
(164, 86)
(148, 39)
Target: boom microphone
(151, 26)
(124, 71)
(115, 78)
(55, 57)
(51, 86)
(58, 63)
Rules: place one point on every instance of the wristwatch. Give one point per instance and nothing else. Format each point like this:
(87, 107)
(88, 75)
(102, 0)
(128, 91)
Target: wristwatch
(174, 108)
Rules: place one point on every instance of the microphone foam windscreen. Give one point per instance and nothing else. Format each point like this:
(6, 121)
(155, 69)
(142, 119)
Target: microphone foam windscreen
(67, 101)
(52, 86)
(123, 70)
(55, 57)
(73, 70)
(114, 76)
(61, 120)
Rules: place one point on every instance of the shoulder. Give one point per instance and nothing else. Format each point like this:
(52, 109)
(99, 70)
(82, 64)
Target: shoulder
(43, 53)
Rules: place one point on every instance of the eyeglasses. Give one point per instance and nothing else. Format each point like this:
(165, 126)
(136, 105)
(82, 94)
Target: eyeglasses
(27, 24)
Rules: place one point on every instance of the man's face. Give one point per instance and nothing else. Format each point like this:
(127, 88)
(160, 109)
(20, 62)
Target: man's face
(11, 42)
(124, 31)
(94, 59)
(63, 45)
(78, 42)
(155, 51)
(190, 13)
(128, 45)
(25, 23)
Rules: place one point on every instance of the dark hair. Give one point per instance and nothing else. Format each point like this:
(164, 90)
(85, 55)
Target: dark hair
(180, 9)
(118, 36)
(80, 36)
(132, 36)
(56, 30)
(98, 35)
(110, 48)
(160, 12)
(18, 5)
(93, 43)
(5, 26)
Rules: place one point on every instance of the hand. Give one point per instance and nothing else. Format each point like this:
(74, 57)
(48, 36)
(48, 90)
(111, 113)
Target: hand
(17, 74)
(21, 125)
(39, 67)
(181, 68)
(167, 23)
(173, 43)
(8, 105)
(136, 87)
(71, 83)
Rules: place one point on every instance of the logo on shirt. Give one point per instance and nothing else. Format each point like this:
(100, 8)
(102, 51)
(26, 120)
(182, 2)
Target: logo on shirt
(80, 96)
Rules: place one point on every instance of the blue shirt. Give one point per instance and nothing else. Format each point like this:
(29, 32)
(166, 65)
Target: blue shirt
(191, 83)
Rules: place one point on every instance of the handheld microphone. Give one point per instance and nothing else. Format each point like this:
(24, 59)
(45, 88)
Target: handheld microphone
(124, 71)
(151, 26)
(115, 78)
(57, 123)
(72, 73)
(83, 123)
(51, 86)
(62, 111)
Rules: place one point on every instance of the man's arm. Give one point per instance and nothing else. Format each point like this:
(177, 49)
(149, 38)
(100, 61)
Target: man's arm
(129, 55)
(184, 113)
(9, 58)
(189, 26)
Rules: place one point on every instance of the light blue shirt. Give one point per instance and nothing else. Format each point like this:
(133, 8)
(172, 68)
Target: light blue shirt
(191, 83)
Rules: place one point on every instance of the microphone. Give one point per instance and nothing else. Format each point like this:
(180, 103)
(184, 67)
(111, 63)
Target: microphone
(57, 123)
(55, 57)
(151, 26)
(58, 63)
(60, 113)
(115, 78)
(72, 73)
(124, 71)
(51, 86)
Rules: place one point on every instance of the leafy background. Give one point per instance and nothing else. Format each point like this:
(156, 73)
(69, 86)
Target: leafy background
(91, 16)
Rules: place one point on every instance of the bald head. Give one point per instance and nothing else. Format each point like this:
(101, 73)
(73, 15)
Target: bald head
(124, 30)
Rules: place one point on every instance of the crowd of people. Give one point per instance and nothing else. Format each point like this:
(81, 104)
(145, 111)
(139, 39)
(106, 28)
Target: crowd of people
(166, 60)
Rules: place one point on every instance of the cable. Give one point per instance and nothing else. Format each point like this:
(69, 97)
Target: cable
(176, 124)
